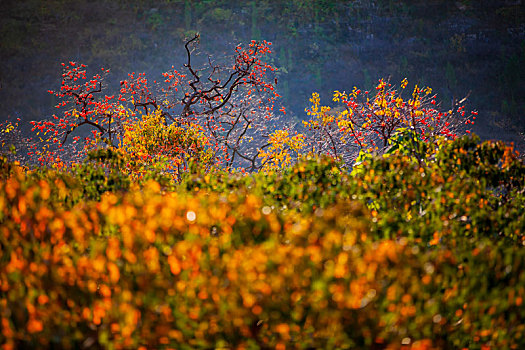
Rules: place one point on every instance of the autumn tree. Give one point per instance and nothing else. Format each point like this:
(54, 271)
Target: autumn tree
(370, 122)
(152, 146)
(231, 104)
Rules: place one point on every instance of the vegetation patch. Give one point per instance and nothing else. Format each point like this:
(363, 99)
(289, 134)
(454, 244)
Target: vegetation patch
(195, 216)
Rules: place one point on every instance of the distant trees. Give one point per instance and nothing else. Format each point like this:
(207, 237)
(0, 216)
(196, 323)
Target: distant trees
(223, 113)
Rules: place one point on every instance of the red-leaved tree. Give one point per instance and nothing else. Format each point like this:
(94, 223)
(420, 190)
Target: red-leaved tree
(232, 103)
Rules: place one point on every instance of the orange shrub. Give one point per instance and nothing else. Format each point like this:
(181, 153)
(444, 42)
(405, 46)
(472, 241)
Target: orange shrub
(224, 269)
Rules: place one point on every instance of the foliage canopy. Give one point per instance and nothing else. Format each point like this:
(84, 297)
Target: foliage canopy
(154, 240)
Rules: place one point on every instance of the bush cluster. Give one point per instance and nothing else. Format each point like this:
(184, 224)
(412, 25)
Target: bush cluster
(421, 247)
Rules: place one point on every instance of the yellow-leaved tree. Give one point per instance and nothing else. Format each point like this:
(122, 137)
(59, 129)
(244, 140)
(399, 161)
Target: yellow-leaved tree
(370, 122)
(150, 145)
(283, 147)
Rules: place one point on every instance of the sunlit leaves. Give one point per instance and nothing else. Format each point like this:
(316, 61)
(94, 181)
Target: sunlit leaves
(149, 146)
(363, 121)
(282, 149)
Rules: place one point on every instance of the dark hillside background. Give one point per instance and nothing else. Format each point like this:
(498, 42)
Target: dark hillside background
(453, 46)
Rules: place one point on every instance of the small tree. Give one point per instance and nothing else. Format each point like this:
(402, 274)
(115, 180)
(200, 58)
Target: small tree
(362, 122)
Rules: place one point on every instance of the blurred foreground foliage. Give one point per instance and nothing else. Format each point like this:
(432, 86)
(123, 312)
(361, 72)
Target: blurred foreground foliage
(420, 247)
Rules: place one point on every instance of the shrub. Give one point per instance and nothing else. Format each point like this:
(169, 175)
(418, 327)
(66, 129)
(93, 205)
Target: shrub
(273, 259)
(464, 188)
